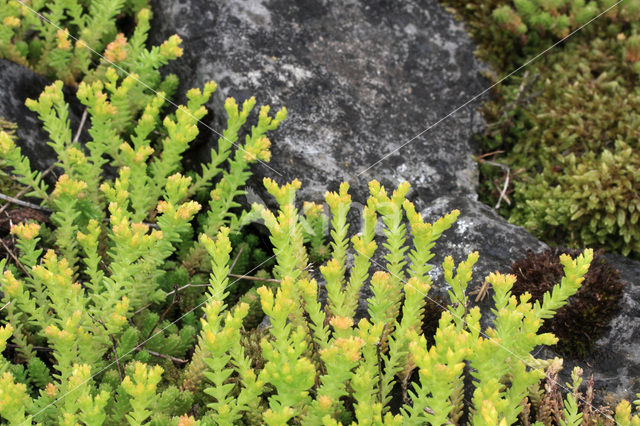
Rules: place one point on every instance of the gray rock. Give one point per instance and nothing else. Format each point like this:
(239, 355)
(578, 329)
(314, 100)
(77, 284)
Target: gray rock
(18, 83)
(359, 78)
(614, 360)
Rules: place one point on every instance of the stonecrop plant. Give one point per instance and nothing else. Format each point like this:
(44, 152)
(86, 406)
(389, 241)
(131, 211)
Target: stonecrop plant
(103, 262)
(75, 40)
(322, 368)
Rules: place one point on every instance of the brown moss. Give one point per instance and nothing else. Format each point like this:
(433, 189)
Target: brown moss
(578, 324)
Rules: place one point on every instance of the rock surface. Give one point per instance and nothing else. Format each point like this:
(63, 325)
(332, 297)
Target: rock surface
(361, 79)
(615, 359)
(18, 83)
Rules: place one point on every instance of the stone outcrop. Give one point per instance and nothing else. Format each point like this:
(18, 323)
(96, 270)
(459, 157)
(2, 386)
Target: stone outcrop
(360, 79)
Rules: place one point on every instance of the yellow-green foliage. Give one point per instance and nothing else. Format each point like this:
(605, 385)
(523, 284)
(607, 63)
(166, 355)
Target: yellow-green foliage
(63, 38)
(624, 417)
(84, 296)
(96, 297)
(7, 185)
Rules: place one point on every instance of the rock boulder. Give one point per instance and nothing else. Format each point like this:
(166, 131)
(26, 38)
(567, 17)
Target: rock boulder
(359, 78)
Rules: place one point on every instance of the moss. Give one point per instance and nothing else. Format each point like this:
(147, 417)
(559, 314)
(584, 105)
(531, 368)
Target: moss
(576, 150)
(567, 128)
(593, 201)
(578, 324)
(585, 102)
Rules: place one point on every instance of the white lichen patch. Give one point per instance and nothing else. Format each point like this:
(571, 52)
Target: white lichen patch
(410, 30)
(252, 11)
(462, 227)
(293, 74)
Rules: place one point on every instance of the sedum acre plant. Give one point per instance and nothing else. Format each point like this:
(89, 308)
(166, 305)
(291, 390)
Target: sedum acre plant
(81, 289)
(63, 39)
(322, 368)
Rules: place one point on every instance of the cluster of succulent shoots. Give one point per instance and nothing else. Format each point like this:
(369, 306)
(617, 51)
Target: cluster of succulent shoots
(91, 305)
(73, 41)
(324, 368)
(535, 21)
(578, 324)
(81, 278)
(124, 307)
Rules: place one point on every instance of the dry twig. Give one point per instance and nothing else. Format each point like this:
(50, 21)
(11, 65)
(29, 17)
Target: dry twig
(13, 200)
(506, 180)
(165, 356)
(481, 292)
(15, 259)
(82, 121)
(24, 190)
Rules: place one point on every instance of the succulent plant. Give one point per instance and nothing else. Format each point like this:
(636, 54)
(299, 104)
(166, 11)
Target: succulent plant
(581, 321)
